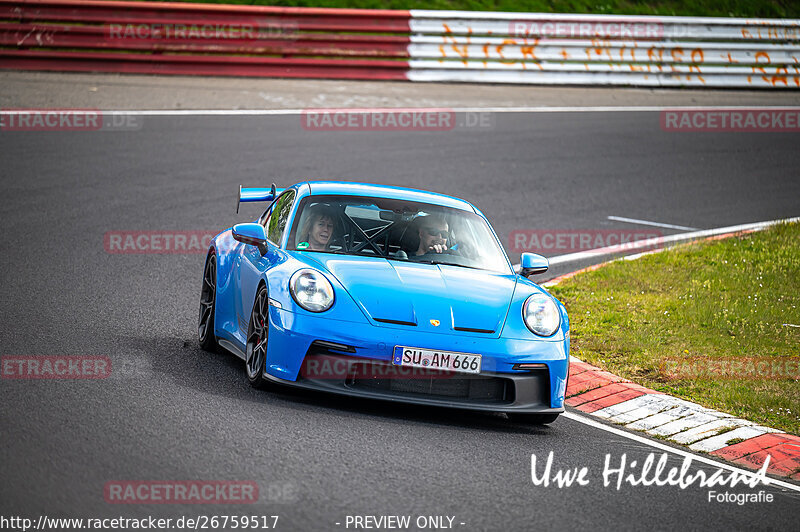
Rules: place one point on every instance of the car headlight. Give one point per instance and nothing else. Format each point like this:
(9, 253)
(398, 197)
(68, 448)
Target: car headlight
(311, 290)
(541, 315)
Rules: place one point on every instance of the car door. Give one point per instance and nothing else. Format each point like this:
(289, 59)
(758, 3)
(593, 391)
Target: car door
(253, 265)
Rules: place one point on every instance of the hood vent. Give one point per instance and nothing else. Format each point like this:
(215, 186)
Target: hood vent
(470, 329)
(396, 322)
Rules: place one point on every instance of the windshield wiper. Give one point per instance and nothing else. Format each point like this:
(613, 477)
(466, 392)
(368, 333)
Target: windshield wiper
(335, 252)
(435, 261)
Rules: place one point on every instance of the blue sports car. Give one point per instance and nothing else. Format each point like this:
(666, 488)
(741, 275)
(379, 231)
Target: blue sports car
(385, 293)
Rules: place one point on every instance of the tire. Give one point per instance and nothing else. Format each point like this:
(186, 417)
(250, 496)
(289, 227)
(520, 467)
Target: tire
(257, 335)
(533, 419)
(208, 303)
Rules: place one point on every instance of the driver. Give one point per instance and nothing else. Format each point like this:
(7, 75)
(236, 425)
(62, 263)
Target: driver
(433, 235)
(317, 230)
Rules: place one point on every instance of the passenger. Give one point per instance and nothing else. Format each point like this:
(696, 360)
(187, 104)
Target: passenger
(433, 235)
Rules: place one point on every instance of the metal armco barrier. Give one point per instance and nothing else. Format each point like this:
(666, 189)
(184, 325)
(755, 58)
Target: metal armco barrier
(203, 39)
(417, 45)
(604, 50)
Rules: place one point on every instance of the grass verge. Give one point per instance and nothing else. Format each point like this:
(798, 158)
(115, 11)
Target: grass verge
(716, 8)
(732, 301)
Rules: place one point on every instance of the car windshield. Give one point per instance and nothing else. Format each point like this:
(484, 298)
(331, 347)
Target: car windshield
(396, 230)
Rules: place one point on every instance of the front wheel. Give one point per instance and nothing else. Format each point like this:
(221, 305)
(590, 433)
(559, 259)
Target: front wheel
(257, 334)
(533, 419)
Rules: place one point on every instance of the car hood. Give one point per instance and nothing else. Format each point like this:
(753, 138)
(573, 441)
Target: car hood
(397, 293)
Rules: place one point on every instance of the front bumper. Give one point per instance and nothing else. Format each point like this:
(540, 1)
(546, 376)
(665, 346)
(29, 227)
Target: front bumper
(294, 344)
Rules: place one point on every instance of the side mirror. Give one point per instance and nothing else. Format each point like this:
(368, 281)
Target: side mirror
(252, 234)
(531, 264)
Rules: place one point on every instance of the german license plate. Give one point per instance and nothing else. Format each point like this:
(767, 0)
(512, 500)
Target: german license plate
(415, 357)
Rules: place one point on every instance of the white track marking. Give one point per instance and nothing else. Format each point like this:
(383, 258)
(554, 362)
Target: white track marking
(662, 418)
(666, 448)
(636, 256)
(691, 421)
(649, 424)
(655, 224)
(708, 430)
(540, 109)
(718, 442)
(660, 400)
(662, 240)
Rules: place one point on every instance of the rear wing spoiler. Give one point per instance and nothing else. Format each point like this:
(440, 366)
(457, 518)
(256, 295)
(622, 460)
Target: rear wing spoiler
(247, 195)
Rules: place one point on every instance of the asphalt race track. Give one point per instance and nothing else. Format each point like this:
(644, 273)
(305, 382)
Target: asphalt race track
(170, 411)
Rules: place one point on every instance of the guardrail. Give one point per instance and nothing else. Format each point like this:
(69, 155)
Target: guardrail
(417, 45)
(604, 50)
(203, 39)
